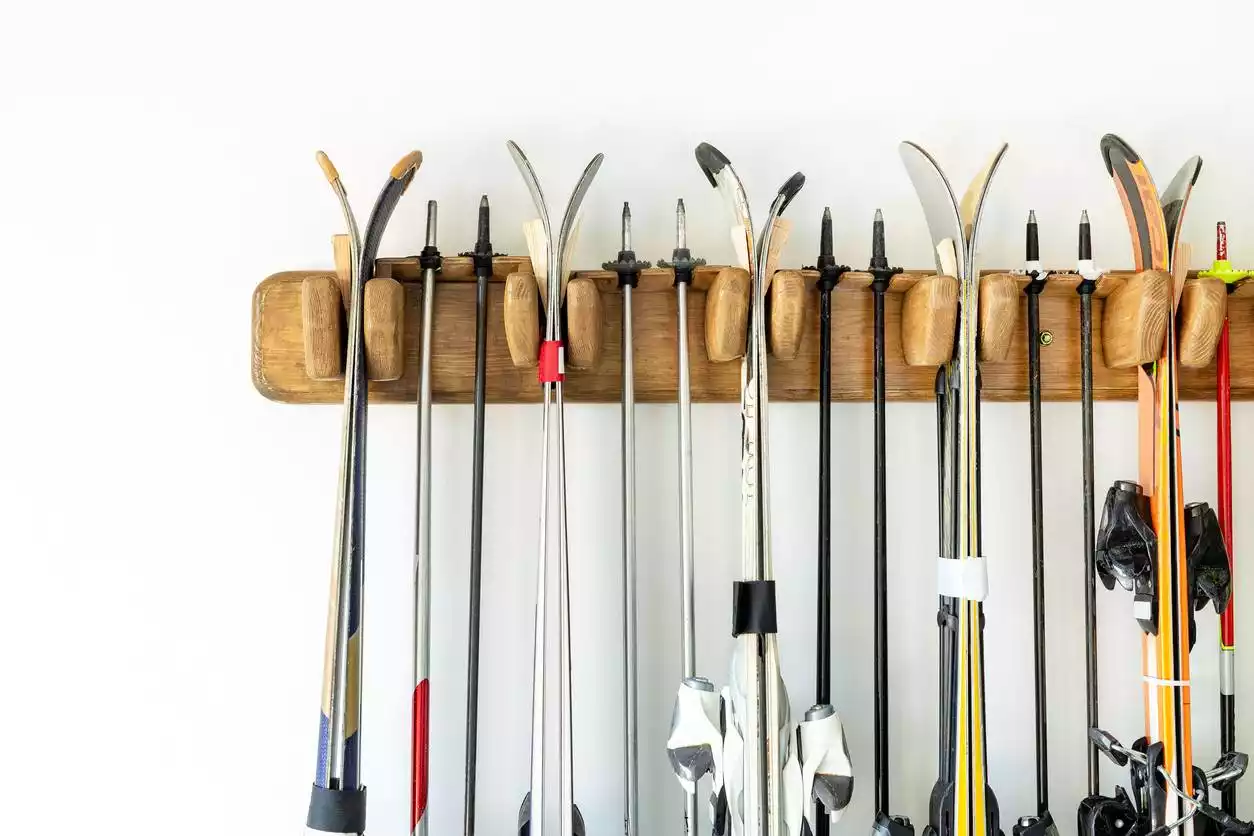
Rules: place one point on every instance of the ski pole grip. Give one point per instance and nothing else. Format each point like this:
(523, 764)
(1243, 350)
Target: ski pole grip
(999, 315)
(753, 608)
(929, 315)
(1134, 320)
(1203, 308)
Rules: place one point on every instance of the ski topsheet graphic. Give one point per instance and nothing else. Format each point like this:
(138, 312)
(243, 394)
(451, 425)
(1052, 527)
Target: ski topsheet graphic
(1168, 554)
(962, 802)
(765, 777)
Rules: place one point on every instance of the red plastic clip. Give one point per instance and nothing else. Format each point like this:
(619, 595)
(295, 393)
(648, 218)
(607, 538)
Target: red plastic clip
(552, 362)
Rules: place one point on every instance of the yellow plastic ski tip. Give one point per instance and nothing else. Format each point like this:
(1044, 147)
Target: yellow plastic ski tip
(408, 163)
(328, 167)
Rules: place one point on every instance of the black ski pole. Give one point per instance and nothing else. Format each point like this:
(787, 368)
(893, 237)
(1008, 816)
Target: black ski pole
(829, 276)
(482, 256)
(1042, 822)
(1088, 283)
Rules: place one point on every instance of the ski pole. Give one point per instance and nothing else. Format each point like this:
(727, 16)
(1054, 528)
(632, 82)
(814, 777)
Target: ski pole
(628, 270)
(1088, 283)
(694, 743)
(337, 802)
(430, 262)
(829, 276)
(1222, 269)
(886, 823)
(482, 256)
(551, 376)
(1042, 822)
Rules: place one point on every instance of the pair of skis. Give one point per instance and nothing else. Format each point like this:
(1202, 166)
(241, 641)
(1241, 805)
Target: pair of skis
(337, 802)
(766, 779)
(1169, 554)
(962, 803)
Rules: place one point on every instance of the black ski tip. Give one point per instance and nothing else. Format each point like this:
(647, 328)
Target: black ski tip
(1196, 171)
(1114, 144)
(791, 187)
(712, 161)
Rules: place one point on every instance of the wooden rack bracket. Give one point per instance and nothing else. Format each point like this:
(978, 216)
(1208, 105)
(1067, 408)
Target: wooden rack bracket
(299, 326)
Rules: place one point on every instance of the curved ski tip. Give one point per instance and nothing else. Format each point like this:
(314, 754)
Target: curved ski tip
(1196, 162)
(407, 165)
(1112, 144)
(712, 161)
(328, 167)
(790, 188)
(594, 165)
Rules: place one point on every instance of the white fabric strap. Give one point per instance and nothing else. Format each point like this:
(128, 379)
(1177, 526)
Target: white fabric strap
(1166, 683)
(966, 579)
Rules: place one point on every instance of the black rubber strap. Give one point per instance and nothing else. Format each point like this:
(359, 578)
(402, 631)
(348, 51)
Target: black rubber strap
(337, 811)
(753, 607)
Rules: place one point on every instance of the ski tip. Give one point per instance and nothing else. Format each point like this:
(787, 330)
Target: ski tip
(711, 160)
(1197, 170)
(407, 165)
(1032, 216)
(879, 217)
(328, 167)
(791, 187)
(1113, 144)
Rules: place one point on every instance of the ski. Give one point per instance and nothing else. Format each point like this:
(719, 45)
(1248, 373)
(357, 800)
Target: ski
(431, 262)
(551, 377)
(962, 803)
(694, 745)
(886, 823)
(1042, 821)
(628, 269)
(1222, 269)
(1170, 555)
(337, 802)
(482, 256)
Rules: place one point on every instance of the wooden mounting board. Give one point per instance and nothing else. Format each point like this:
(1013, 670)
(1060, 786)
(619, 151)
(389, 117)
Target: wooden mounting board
(278, 353)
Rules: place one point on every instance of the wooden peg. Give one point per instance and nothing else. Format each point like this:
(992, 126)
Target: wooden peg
(585, 323)
(727, 315)
(322, 327)
(1202, 311)
(789, 298)
(929, 315)
(1134, 321)
(385, 329)
(999, 315)
(343, 266)
(522, 319)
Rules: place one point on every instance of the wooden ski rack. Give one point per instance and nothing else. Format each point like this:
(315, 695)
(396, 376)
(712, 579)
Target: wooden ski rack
(282, 340)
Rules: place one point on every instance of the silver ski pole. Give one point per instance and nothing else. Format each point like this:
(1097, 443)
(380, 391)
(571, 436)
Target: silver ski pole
(430, 262)
(628, 270)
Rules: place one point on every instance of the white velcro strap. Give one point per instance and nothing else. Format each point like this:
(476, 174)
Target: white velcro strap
(966, 579)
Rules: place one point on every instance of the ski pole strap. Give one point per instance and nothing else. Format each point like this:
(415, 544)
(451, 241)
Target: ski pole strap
(753, 607)
(966, 579)
(552, 362)
(337, 811)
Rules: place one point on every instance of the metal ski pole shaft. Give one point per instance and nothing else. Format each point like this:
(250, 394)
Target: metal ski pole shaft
(337, 801)
(628, 270)
(886, 823)
(1088, 283)
(551, 374)
(482, 257)
(829, 276)
(430, 262)
(684, 753)
(1042, 821)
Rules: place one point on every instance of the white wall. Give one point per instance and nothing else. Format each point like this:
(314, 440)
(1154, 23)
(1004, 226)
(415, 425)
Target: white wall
(166, 531)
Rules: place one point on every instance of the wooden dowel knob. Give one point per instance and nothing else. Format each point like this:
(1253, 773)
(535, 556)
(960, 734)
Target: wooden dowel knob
(999, 315)
(1134, 320)
(522, 319)
(322, 327)
(1202, 311)
(585, 323)
(343, 266)
(789, 298)
(929, 315)
(385, 329)
(727, 315)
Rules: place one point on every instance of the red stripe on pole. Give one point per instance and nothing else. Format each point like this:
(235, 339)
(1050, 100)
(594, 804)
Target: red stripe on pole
(422, 740)
(1224, 392)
